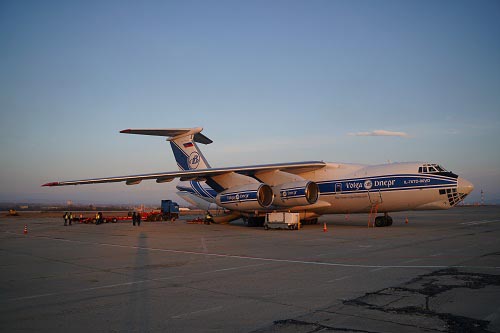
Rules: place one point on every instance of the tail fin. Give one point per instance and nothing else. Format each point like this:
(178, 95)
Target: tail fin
(183, 143)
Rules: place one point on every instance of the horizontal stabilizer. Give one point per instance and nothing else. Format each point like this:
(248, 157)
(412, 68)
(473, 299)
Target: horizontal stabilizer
(172, 133)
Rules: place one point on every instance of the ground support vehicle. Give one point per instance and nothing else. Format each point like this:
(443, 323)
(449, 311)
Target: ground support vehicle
(105, 219)
(13, 212)
(282, 220)
(169, 211)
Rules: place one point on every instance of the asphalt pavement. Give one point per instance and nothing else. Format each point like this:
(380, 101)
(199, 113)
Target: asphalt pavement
(440, 272)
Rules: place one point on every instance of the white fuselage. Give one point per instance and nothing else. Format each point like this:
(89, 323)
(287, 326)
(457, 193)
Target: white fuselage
(352, 188)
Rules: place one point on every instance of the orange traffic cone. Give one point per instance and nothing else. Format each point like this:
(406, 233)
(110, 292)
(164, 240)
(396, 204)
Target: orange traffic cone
(25, 229)
(324, 227)
(406, 220)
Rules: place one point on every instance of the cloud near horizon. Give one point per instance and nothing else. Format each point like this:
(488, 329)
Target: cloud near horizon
(381, 133)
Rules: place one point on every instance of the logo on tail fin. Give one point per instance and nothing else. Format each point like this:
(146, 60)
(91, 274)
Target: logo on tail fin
(194, 160)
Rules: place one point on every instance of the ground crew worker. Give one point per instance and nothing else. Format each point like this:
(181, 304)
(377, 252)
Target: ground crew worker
(134, 218)
(98, 218)
(70, 218)
(208, 218)
(65, 216)
(101, 219)
(138, 219)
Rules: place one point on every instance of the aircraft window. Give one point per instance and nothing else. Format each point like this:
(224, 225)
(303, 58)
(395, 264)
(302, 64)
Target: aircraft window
(424, 169)
(440, 168)
(420, 170)
(431, 169)
(442, 191)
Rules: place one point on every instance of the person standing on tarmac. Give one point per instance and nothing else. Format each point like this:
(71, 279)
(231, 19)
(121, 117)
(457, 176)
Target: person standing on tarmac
(209, 218)
(65, 216)
(70, 217)
(134, 218)
(138, 219)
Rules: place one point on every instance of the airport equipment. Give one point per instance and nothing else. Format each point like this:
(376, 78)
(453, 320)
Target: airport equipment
(13, 212)
(197, 220)
(311, 189)
(25, 229)
(105, 219)
(282, 220)
(325, 229)
(169, 211)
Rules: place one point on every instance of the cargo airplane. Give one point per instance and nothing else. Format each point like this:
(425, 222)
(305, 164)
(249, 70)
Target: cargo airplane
(310, 188)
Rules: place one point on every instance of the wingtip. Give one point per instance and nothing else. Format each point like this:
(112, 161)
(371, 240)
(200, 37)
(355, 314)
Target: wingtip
(51, 184)
(125, 130)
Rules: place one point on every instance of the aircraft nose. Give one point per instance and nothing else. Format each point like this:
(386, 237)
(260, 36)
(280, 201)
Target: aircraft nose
(464, 186)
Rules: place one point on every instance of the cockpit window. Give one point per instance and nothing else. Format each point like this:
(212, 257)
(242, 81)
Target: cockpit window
(435, 169)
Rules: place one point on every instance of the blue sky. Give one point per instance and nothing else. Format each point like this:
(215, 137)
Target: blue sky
(270, 81)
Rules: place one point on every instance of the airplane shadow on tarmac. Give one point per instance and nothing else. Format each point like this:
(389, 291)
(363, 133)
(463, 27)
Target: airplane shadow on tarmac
(139, 308)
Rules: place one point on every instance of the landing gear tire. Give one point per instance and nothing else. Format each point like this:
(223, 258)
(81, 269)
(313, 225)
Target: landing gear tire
(388, 221)
(379, 221)
(383, 221)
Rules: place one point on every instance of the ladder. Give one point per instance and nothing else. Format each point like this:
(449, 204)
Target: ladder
(373, 214)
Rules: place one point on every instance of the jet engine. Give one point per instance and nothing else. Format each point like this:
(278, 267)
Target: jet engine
(300, 193)
(246, 197)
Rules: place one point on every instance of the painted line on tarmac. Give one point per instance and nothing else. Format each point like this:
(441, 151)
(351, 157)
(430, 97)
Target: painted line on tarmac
(378, 269)
(196, 312)
(479, 222)
(234, 256)
(108, 286)
(339, 279)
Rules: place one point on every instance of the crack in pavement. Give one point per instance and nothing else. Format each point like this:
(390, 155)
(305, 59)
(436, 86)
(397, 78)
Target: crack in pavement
(414, 304)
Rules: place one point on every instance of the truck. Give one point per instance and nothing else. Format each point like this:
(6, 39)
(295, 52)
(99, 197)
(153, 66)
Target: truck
(169, 211)
(282, 220)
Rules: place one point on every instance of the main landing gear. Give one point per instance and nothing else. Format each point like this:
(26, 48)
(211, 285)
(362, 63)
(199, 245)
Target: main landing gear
(383, 221)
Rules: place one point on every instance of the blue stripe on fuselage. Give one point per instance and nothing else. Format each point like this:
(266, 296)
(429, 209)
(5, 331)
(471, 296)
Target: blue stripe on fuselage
(197, 189)
(385, 183)
(203, 192)
(180, 156)
(353, 185)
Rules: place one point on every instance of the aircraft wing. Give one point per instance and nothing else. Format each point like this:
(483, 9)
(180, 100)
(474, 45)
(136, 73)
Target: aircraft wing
(199, 175)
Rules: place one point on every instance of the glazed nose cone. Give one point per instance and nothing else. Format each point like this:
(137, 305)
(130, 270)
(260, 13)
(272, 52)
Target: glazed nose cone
(464, 186)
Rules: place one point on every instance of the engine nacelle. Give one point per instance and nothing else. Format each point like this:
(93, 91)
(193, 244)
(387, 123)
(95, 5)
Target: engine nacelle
(246, 197)
(300, 193)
